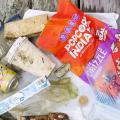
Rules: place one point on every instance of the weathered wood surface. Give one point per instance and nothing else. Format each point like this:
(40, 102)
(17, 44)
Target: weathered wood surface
(50, 5)
(100, 6)
(10, 7)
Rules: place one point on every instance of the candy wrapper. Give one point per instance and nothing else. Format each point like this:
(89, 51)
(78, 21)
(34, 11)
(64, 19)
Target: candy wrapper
(103, 51)
(73, 37)
(101, 73)
(106, 83)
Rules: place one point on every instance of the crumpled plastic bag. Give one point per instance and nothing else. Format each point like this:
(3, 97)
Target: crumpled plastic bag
(73, 37)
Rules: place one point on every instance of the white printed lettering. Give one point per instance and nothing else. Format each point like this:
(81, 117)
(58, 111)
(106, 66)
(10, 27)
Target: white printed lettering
(74, 37)
(67, 47)
(79, 40)
(78, 34)
(78, 47)
(72, 42)
(87, 36)
(72, 54)
(84, 21)
(82, 28)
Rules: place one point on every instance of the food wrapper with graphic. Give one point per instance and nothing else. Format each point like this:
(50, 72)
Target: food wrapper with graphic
(116, 54)
(106, 85)
(73, 37)
(103, 51)
(101, 73)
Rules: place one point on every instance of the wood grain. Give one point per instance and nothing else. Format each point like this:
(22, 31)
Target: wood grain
(9, 8)
(50, 5)
(100, 6)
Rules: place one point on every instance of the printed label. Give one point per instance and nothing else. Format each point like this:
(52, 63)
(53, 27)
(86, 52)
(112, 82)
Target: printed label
(102, 34)
(80, 39)
(93, 65)
(24, 94)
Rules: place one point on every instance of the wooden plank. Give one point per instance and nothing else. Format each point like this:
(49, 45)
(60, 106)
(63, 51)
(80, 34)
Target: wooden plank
(50, 5)
(9, 8)
(100, 6)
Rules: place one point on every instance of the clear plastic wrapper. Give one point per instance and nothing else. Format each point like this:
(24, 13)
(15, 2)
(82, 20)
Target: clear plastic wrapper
(56, 98)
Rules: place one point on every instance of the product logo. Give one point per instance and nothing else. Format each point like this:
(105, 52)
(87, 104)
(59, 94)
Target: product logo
(97, 61)
(80, 39)
(102, 34)
(17, 98)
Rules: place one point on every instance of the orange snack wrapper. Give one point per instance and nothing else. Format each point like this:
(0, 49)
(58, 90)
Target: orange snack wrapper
(73, 36)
